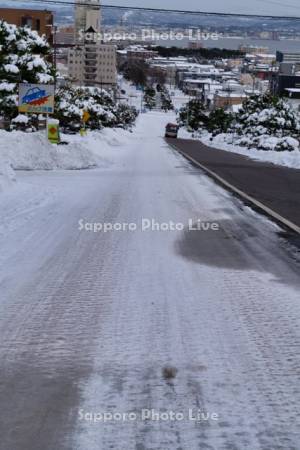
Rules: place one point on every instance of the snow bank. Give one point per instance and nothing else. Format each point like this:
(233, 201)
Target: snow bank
(7, 175)
(32, 151)
(282, 158)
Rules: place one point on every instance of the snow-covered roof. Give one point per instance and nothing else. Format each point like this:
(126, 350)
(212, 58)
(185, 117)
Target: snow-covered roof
(293, 89)
(200, 81)
(231, 94)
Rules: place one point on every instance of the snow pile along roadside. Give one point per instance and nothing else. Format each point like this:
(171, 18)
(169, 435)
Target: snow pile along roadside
(32, 151)
(282, 158)
(7, 175)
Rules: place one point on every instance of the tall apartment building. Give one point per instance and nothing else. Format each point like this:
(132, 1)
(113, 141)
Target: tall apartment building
(91, 62)
(86, 17)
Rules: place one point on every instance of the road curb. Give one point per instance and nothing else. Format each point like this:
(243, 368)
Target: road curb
(257, 204)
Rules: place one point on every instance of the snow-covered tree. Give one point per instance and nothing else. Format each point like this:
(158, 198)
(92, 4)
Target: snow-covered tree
(267, 115)
(267, 122)
(150, 97)
(71, 102)
(24, 57)
(166, 101)
(219, 121)
(125, 115)
(192, 115)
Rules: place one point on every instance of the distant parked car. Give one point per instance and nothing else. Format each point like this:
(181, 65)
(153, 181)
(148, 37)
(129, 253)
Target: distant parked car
(171, 130)
(33, 94)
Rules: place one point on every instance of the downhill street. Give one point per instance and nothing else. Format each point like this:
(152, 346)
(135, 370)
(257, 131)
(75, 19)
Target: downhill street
(129, 320)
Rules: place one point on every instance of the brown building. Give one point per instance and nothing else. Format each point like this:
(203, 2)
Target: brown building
(39, 20)
(224, 99)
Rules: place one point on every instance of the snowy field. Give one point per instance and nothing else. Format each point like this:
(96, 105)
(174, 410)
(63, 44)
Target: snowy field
(176, 321)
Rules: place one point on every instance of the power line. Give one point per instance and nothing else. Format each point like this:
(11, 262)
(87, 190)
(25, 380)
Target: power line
(273, 2)
(163, 10)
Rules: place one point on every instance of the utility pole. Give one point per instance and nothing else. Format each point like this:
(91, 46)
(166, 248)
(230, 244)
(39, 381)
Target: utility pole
(53, 32)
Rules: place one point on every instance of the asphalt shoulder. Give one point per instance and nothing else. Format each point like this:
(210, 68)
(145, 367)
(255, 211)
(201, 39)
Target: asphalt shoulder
(276, 187)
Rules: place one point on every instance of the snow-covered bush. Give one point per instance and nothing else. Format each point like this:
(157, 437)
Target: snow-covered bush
(23, 58)
(219, 121)
(125, 115)
(192, 115)
(150, 97)
(166, 101)
(264, 122)
(267, 115)
(72, 102)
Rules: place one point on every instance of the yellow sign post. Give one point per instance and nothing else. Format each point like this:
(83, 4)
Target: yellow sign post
(53, 131)
(86, 116)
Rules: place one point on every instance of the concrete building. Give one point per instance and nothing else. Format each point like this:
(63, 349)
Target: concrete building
(253, 49)
(91, 62)
(38, 20)
(86, 18)
(65, 35)
(228, 99)
(287, 80)
(288, 57)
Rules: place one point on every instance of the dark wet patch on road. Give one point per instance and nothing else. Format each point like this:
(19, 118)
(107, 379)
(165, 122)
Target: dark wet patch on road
(217, 247)
(239, 245)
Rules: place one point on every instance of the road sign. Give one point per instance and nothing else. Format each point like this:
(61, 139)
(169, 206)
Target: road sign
(36, 98)
(86, 116)
(53, 131)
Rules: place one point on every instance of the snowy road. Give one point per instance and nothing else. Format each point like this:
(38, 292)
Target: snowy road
(126, 321)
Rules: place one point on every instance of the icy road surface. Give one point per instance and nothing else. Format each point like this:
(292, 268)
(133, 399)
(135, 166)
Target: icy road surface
(178, 322)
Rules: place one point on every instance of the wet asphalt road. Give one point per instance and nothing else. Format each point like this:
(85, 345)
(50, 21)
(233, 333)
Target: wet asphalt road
(274, 186)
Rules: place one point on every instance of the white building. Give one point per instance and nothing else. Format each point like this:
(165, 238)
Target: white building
(91, 63)
(85, 18)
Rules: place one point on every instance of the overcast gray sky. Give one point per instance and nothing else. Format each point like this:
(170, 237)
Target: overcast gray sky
(279, 7)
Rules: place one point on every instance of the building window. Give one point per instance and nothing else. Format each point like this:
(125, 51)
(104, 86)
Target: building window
(26, 21)
(38, 25)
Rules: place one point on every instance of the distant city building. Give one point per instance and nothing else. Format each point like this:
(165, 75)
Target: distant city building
(91, 62)
(282, 83)
(253, 50)
(86, 17)
(38, 20)
(286, 57)
(140, 53)
(65, 35)
(195, 45)
(228, 99)
(93, 65)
